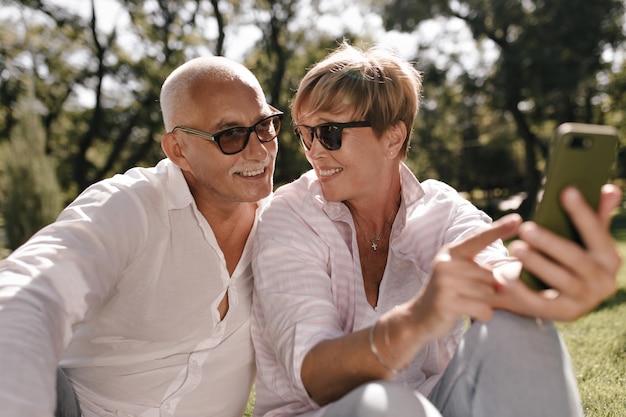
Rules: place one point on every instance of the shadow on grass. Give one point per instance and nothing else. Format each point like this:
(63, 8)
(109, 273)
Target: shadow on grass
(618, 298)
(618, 225)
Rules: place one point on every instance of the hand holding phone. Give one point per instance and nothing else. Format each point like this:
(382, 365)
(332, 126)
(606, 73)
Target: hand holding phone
(581, 155)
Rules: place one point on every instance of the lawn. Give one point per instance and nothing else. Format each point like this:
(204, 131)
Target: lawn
(597, 344)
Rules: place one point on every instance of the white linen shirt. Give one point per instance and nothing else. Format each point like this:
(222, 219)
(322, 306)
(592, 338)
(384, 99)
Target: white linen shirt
(309, 285)
(124, 290)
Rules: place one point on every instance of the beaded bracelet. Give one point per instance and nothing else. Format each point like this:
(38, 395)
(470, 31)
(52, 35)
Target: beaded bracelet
(391, 369)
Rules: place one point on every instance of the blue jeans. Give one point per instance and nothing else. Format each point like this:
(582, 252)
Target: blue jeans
(67, 403)
(512, 366)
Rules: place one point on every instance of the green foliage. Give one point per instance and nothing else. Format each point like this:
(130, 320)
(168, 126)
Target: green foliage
(250, 406)
(31, 197)
(458, 140)
(550, 67)
(481, 128)
(99, 88)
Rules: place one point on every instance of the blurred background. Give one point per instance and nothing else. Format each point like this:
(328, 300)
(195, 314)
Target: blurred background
(80, 81)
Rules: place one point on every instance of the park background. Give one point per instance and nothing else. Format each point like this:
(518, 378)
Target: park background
(80, 81)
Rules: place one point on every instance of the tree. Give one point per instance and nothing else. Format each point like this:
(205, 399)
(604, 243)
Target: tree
(31, 197)
(550, 56)
(118, 125)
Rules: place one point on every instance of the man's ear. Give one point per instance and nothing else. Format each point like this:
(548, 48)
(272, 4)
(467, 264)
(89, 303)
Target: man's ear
(395, 136)
(173, 149)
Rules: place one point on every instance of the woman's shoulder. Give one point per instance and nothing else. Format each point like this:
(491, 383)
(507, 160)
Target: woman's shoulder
(298, 192)
(298, 202)
(436, 186)
(416, 191)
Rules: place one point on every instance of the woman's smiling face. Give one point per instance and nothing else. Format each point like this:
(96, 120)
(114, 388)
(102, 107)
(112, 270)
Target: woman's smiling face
(349, 172)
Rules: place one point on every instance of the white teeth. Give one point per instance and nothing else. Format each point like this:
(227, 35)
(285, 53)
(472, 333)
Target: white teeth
(327, 172)
(250, 172)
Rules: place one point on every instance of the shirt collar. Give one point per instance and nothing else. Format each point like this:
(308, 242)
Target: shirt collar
(176, 189)
(177, 193)
(411, 188)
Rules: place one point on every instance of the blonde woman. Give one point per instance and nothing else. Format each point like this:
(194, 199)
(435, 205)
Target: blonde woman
(363, 274)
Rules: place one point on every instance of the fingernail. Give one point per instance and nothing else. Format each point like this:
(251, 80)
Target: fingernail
(528, 230)
(571, 194)
(518, 249)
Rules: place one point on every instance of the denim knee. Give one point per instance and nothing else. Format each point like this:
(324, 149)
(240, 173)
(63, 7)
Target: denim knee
(381, 399)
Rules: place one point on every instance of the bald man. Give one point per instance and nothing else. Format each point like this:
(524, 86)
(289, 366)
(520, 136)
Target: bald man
(136, 301)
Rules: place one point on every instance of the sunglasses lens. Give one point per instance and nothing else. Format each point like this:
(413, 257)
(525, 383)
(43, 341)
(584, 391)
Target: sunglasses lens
(232, 140)
(268, 128)
(330, 137)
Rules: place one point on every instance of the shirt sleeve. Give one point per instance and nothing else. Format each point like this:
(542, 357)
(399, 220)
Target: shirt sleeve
(293, 295)
(465, 220)
(53, 282)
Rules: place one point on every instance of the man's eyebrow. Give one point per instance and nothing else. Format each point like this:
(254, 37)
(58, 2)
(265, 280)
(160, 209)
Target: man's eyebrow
(225, 124)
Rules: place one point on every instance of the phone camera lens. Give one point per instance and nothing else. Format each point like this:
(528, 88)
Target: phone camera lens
(580, 142)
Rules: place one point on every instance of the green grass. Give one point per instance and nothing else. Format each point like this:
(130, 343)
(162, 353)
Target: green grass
(250, 406)
(597, 344)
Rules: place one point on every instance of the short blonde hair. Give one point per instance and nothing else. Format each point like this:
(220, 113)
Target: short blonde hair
(377, 85)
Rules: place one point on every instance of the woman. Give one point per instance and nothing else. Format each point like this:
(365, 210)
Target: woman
(363, 274)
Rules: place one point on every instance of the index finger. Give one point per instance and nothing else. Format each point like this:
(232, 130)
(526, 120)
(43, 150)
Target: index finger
(502, 228)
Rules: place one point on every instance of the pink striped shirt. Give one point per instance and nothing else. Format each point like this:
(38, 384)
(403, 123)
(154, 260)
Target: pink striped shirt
(309, 286)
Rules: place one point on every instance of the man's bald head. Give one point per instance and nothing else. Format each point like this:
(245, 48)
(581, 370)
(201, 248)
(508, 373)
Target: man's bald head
(177, 93)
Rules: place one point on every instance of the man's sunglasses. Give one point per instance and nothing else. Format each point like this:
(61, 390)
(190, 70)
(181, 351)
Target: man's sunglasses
(329, 134)
(235, 139)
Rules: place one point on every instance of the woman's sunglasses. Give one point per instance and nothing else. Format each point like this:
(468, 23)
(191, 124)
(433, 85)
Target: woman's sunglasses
(329, 134)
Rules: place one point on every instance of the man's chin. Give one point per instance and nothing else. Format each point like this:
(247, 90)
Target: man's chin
(258, 194)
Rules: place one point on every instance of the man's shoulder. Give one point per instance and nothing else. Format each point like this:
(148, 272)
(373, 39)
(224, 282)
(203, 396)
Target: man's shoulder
(144, 185)
(156, 176)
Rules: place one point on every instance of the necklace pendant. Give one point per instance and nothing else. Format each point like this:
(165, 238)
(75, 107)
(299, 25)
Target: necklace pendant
(374, 245)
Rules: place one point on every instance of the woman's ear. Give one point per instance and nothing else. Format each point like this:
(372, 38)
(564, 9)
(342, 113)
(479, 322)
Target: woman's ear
(173, 149)
(395, 136)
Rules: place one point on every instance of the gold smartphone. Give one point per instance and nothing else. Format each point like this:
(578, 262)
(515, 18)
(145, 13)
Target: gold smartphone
(581, 155)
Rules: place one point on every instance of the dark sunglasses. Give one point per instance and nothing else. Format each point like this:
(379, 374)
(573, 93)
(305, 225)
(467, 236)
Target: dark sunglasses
(235, 139)
(329, 134)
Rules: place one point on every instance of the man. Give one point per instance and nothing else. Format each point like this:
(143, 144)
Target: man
(141, 290)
